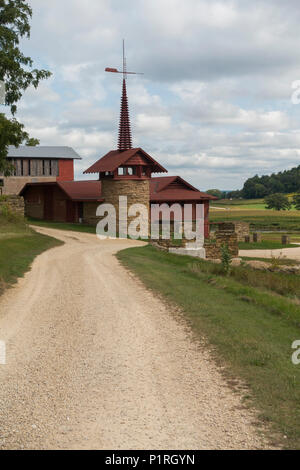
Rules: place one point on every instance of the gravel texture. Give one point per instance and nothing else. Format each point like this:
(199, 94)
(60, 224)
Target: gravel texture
(96, 361)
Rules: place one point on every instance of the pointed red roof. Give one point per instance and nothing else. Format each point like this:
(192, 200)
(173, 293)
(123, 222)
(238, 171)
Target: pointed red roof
(125, 142)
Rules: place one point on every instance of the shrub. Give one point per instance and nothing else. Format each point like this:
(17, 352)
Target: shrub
(225, 258)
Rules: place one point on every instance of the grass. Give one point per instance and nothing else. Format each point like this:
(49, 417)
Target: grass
(19, 245)
(254, 212)
(63, 225)
(264, 245)
(251, 328)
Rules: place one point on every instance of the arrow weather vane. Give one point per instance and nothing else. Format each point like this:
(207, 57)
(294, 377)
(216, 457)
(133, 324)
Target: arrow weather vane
(125, 141)
(124, 72)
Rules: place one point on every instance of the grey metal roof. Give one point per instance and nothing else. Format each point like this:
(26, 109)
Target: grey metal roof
(41, 151)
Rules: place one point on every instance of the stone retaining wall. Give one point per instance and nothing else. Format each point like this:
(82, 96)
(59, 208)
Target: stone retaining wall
(14, 204)
(226, 235)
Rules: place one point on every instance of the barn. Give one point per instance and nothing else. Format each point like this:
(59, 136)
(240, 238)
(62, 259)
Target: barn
(38, 164)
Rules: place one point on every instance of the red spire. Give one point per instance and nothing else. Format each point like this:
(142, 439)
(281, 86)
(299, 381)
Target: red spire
(124, 129)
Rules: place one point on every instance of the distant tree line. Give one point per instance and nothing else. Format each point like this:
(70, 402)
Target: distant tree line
(259, 187)
(283, 182)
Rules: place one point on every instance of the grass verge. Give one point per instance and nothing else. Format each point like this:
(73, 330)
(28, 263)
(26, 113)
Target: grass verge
(264, 245)
(63, 225)
(251, 329)
(19, 245)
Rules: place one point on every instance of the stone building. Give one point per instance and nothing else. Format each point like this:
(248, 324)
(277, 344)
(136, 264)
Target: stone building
(126, 172)
(38, 164)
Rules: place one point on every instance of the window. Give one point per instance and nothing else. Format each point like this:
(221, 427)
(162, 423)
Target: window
(43, 163)
(50, 167)
(22, 167)
(121, 171)
(127, 171)
(29, 167)
(1, 183)
(131, 170)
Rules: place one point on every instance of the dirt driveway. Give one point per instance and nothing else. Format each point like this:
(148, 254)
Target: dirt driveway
(290, 253)
(95, 361)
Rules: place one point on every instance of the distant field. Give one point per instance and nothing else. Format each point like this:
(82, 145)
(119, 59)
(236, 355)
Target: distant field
(241, 204)
(237, 204)
(254, 212)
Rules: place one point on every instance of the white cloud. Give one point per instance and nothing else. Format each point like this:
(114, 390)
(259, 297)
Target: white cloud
(214, 103)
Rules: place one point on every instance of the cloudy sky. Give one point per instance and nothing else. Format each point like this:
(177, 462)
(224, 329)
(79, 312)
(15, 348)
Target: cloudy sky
(214, 104)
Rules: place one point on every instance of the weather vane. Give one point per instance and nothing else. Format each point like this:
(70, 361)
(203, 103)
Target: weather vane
(125, 140)
(124, 72)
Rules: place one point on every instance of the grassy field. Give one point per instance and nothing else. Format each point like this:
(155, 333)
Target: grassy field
(264, 245)
(260, 219)
(249, 318)
(254, 212)
(19, 245)
(243, 204)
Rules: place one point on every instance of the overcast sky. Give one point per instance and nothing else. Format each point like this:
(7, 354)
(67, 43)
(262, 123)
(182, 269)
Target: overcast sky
(214, 105)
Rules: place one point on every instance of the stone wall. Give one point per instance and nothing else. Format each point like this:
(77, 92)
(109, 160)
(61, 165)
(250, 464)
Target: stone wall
(242, 229)
(225, 235)
(14, 204)
(89, 213)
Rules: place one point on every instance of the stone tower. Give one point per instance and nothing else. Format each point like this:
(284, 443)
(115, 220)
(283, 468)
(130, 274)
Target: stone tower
(126, 171)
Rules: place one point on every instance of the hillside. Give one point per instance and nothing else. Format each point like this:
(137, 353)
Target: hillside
(287, 181)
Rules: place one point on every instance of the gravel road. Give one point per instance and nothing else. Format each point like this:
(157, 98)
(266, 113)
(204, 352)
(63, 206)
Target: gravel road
(290, 253)
(95, 361)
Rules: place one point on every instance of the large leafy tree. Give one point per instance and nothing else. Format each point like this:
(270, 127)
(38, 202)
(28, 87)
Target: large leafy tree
(17, 72)
(277, 202)
(296, 201)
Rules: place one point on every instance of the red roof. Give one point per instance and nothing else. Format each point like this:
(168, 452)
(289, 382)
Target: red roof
(74, 190)
(175, 188)
(115, 158)
(162, 189)
(81, 190)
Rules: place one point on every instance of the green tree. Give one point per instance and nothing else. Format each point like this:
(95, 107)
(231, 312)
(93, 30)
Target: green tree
(277, 202)
(296, 201)
(215, 192)
(32, 142)
(16, 71)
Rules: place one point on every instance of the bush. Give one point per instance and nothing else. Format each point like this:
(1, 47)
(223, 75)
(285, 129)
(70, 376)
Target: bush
(225, 258)
(8, 215)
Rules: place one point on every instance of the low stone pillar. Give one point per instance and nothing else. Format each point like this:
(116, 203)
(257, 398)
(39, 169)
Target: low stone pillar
(285, 240)
(256, 237)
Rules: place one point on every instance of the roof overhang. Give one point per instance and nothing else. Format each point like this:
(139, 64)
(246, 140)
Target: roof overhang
(116, 158)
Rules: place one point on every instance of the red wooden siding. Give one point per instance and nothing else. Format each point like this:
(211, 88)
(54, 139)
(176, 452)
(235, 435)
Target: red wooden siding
(66, 170)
